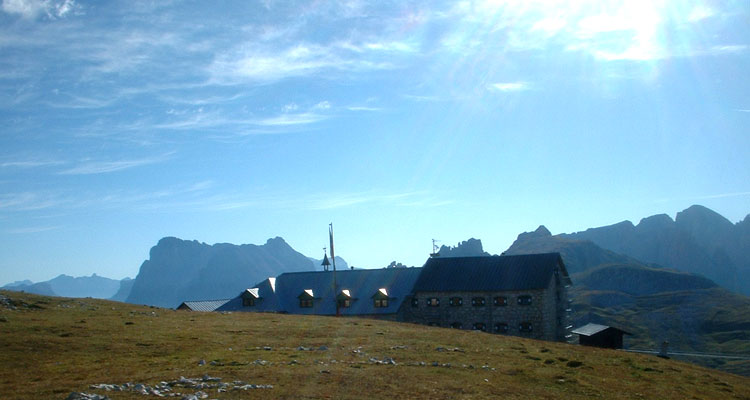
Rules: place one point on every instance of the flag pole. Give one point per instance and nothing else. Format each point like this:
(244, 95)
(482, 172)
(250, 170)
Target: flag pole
(333, 261)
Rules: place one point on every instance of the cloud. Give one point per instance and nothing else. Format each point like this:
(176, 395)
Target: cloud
(728, 49)
(31, 229)
(363, 108)
(291, 119)
(103, 167)
(330, 201)
(510, 86)
(700, 12)
(30, 163)
(28, 201)
(33, 8)
(272, 63)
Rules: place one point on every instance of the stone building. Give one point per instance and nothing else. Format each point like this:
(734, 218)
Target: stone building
(524, 295)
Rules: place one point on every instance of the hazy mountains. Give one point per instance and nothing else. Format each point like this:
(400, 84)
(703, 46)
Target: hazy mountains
(68, 286)
(179, 270)
(698, 240)
(652, 302)
(467, 248)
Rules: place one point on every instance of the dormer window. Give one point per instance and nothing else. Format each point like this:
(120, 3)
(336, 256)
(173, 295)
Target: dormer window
(306, 298)
(250, 297)
(344, 299)
(380, 298)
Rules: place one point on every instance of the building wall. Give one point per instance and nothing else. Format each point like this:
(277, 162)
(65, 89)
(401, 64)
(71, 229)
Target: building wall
(541, 313)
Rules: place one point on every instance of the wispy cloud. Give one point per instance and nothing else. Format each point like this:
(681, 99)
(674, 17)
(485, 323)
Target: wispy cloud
(29, 201)
(267, 64)
(510, 86)
(30, 163)
(31, 229)
(342, 200)
(363, 108)
(103, 167)
(705, 197)
(33, 8)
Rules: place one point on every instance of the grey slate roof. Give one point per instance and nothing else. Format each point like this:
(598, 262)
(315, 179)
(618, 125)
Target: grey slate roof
(363, 284)
(204, 305)
(593, 329)
(494, 273)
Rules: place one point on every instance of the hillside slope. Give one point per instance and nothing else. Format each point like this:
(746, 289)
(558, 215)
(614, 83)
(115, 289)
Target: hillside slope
(55, 346)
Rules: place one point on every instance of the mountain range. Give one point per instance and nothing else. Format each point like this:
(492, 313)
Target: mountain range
(698, 240)
(67, 286)
(651, 302)
(179, 270)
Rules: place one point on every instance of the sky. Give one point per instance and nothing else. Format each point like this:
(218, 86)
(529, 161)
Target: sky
(123, 122)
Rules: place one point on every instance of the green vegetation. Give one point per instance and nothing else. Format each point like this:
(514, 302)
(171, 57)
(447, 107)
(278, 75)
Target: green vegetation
(54, 346)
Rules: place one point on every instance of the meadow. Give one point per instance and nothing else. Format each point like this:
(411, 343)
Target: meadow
(51, 346)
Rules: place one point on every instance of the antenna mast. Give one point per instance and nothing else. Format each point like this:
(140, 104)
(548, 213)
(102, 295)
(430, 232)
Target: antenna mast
(434, 248)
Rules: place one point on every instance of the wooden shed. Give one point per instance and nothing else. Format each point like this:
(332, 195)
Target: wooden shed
(600, 336)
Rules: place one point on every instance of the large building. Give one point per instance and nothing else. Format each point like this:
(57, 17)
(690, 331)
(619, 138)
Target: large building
(523, 295)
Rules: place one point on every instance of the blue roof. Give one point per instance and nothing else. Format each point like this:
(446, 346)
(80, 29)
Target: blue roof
(362, 285)
(494, 273)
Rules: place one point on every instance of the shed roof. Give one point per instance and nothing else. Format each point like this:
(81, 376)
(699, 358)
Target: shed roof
(593, 329)
(203, 305)
(493, 273)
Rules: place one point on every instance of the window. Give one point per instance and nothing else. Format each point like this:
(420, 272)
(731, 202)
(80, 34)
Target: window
(344, 303)
(415, 302)
(457, 325)
(500, 301)
(501, 327)
(305, 303)
(525, 327)
(248, 301)
(477, 302)
(524, 300)
(456, 301)
(433, 324)
(433, 302)
(381, 303)
(478, 326)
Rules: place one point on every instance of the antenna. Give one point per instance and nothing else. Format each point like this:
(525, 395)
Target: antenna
(435, 248)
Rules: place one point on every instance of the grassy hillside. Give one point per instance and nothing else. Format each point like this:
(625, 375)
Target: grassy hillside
(54, 346)
(711, 320)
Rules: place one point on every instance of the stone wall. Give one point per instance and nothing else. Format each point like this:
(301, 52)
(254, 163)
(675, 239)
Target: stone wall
(542, 313)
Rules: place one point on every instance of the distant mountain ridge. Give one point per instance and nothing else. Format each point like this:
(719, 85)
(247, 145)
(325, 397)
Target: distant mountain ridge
(653, 303)
(67, 286)
(468, 248)
(698, 240)
(179, 270)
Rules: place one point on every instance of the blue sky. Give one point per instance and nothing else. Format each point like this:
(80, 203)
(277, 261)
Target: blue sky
(400, 122)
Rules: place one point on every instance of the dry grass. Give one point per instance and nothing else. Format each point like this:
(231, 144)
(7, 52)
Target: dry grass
(50, 347)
